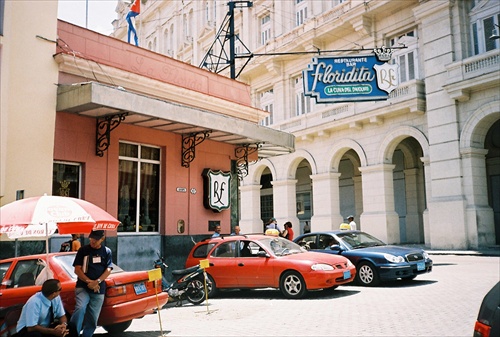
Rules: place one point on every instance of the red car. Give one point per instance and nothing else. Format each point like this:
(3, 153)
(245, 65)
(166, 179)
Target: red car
(128, 295)
(261, 261)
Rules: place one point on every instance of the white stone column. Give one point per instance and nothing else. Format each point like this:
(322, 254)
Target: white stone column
(250, 221)
(284, 202)
(379, 216)
(479, 215)
(326, 205)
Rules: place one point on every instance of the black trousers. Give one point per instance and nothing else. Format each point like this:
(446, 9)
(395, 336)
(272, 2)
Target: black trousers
(25, 333)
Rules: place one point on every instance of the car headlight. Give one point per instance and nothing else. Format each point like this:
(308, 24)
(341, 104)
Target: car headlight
(394, 259)
(425, 255)
(321, 266)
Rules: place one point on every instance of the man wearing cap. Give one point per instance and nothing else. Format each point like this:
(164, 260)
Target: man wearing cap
(352, 224)
(93, 264)
(273, 224)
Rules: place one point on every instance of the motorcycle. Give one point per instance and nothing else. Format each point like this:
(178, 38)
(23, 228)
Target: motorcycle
(188, 284)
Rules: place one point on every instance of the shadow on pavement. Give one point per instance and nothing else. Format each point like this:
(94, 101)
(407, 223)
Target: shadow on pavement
(405, 284)
(443, 264)
(134, 334)
(269, 293)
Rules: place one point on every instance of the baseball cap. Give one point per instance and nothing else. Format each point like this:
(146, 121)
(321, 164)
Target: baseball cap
(97, 235)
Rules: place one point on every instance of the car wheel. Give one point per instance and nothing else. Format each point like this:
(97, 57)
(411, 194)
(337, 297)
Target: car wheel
(196, 291)
(367, 275)
(117, 328)
(212, 289)
(292, 285)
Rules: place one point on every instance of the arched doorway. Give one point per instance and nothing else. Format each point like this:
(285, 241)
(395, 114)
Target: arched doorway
(266, 196)
(492, 144)
(409, 190)
(303, 193)
(350, 191)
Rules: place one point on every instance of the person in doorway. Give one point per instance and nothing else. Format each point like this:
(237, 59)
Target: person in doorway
(75, 242)
(273, 224)
(93, 264)
(307, 228)
(44, 315)
(217, 231)
(236, 230)
(288, 231)
(352, 224)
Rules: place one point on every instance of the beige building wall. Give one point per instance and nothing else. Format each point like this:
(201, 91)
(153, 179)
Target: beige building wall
(28, 77)
(421, 167)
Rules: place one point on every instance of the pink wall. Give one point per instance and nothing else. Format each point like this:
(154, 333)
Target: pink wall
(75, 142)
(116, 53)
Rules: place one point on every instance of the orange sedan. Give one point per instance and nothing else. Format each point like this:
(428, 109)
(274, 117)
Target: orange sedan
(129, 295)
(260, 261)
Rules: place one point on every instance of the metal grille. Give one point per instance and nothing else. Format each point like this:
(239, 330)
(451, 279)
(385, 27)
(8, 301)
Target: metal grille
(414, 257)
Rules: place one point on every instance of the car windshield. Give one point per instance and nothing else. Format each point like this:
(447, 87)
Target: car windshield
(280, 246)
(66, 262)
(356, 240)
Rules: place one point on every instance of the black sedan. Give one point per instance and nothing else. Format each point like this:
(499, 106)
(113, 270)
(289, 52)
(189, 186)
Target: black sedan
(375, 261)
(488, 319)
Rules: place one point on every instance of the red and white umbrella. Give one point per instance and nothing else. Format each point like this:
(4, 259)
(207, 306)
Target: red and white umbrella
(39, 217)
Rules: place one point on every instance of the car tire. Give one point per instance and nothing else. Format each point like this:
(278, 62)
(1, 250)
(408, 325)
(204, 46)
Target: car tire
(118, 328)
(366, 275)
(212, 289)
(292, 285)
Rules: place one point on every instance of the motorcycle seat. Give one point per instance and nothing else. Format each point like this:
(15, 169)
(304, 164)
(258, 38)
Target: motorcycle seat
(185, 271)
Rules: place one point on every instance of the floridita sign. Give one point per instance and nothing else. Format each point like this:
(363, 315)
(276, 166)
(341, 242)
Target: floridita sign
(351, 78)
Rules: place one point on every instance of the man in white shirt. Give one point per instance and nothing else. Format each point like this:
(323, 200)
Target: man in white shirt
(350, 218)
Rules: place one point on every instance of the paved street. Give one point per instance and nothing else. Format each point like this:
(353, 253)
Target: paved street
(442, 303)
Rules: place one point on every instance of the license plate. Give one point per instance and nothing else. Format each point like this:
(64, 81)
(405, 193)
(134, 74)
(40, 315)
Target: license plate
(140, 288)
(420, 266)
(347, 274)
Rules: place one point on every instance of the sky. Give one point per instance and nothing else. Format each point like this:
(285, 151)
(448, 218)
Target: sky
(100, 14)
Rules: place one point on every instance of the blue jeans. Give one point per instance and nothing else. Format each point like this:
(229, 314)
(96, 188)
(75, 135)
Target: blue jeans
(87, 309)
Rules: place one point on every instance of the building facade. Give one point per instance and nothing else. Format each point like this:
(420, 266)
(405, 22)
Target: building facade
(421, 167)
(132, 131)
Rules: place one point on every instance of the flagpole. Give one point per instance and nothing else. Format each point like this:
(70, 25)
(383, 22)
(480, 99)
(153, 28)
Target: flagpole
(87, 14)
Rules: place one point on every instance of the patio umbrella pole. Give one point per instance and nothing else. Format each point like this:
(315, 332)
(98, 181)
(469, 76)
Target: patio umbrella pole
(47, 242)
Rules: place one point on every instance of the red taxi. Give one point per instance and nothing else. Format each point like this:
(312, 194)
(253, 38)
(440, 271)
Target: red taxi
(262, 261)
(129, 295)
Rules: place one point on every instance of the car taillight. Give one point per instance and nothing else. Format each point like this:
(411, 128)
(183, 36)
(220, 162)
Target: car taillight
(481, 330)
(116, 291)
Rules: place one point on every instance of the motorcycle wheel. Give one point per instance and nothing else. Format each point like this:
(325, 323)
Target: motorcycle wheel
(195, 292)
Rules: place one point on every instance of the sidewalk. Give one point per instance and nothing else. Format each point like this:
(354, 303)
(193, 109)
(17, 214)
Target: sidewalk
(490, 251)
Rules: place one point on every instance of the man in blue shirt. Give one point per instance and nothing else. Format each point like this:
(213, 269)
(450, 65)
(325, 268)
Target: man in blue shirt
(217, 231)
(93, 264)
(41, 310)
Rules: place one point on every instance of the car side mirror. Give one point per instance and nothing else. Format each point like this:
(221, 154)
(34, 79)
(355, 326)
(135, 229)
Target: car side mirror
(262, 253)
(336, 248)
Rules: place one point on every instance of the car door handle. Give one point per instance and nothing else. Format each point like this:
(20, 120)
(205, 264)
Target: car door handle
(241, 264)
(211, 264)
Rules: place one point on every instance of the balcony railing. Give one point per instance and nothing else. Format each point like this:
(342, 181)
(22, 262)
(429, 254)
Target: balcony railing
(472, 74)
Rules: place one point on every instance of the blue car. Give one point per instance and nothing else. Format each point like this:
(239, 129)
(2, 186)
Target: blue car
(375, 261)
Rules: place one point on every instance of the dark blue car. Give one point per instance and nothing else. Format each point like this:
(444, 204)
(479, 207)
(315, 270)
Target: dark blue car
(375, 261)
